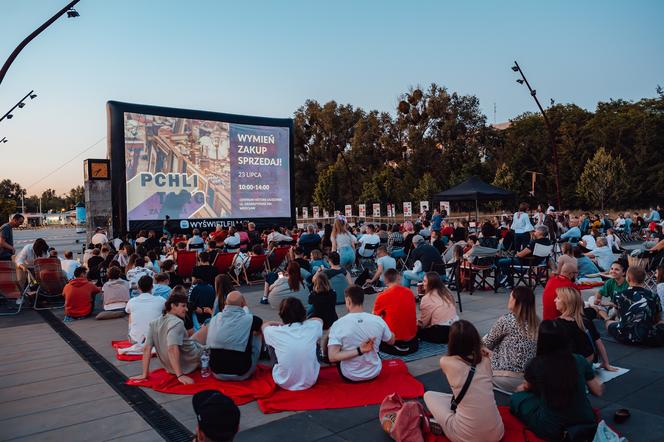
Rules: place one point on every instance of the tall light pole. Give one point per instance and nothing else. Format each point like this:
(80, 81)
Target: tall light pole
(552, 137)
(69, 10)
(20, 105)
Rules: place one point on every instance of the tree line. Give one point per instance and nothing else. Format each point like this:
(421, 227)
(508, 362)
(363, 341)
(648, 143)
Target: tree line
(609, 158)
(11, 193)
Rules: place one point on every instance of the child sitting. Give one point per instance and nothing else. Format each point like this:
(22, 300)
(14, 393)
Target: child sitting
(318, 261)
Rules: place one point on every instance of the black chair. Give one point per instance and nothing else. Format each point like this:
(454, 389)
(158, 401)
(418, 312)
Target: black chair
(450, 272)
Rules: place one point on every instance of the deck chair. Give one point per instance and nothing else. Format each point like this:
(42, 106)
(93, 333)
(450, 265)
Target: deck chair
(50, 281)
(11, 295)
(196, 247)
(481, 265)
(277, 258)
(223, 262)
(533, 270)
(257, 265)
(368, 262)
(186, 261)
(451, 273)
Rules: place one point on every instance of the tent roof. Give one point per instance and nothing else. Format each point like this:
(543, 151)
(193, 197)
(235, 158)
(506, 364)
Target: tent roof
(471, 189)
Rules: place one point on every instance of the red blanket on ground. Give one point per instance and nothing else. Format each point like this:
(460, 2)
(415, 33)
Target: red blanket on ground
(260, 385)
(515, 431)
(333, 392)
(121, 357)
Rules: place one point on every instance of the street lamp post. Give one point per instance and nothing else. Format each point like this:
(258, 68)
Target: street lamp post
(69, 10)
(20, 105)
(552, 138)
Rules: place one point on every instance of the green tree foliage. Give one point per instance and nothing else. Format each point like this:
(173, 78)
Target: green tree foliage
(602, 179)
(326, 189)
(426, 188)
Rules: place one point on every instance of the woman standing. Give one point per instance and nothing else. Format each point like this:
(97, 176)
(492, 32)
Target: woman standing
(513, 340)
(522, 227)
(343, 242)
(437, 310)
(553, 394)
(475, 416)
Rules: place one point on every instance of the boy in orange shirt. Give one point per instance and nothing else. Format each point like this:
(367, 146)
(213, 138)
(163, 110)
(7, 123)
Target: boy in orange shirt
(79, 295)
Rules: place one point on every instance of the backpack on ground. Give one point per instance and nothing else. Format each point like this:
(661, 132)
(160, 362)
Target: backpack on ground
(404, 421)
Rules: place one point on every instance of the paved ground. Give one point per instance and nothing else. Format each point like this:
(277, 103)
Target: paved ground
(48, 392)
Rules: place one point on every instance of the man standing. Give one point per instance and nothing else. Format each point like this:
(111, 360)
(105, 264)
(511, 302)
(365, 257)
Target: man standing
(178, 353)
(396, 305)
(355, 339)
(7, 237)
(436, 220)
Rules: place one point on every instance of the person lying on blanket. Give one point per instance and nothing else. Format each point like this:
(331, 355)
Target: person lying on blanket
(355, 339)
(178, 353)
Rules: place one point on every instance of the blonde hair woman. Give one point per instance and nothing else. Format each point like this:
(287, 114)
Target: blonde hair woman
(343, 242)
(513, 340)
(584, 337)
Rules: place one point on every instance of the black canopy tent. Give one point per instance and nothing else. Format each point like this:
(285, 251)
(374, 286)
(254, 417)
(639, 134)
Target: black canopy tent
(474, 189)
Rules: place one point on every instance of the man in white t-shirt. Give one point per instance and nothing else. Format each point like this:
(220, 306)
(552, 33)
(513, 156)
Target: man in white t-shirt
(69, 264)
(384, 262)
(292, 346)
(99, 237)
(143, 309)
(355, 339)
(368, 238)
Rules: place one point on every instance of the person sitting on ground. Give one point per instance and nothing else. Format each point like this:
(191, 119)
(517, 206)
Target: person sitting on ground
(137, 272)
(396, 305)
(513, 340)
(297, 255)
(525, 256)
(581, 331)
(69, 264)
(152, 261)
(168, 267)
(589, 240)
(195, 242)
(355, 339)
(115, 294)
(317, 261)
(234, 338)
(384, 262)
(279, 287)
(292, 345)
(217, 415)
(613, 240)
(310, 240)
(605, 296)
(142, 309)
(438, 241)
(25, 260)
(476, 416)
(201, 299)
(566, 256)
(426, 255)
(573, 235)
(204, 270)
(437, 310)
(99, 237)
(640, 312)
(93, 264)
(565, 278)
(323, 300)
(602, 254)
(178, 353)
(586, 267)
(553, 396)
(79, 294)
(395, 239)
(162, 285)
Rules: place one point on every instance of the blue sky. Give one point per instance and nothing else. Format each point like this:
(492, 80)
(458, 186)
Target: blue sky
(267, 57)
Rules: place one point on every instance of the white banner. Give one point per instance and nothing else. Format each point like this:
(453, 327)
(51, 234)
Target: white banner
(391, 210)
(376, 210)
(326, 213)
(363, 210)
(445, 205)
(348, 210)
(407, 209)
(315, 211)
(424, 206)
(305, 212)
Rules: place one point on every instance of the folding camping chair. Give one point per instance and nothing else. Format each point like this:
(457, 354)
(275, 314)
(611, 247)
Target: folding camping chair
(257, 265)
(535, 268)
(50, 281)
(10, 291)
(368, 262)
(480, 266)
(186, 261)
(223, 262)
(198, 247)
(277, 258)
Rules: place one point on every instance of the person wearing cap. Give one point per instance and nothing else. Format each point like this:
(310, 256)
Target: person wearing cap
(217, 416)
(99, 237)
(178, 353)
(424, 256)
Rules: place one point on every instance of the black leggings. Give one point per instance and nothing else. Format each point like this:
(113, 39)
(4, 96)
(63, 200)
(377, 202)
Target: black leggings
(438, 334)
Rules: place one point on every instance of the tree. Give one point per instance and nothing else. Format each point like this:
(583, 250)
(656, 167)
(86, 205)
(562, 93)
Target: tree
(76, 195)
(325, 190)
(602, 179)
(504, 178)
(425, 189)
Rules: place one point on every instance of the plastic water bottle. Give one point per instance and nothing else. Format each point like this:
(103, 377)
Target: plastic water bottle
(205, 364)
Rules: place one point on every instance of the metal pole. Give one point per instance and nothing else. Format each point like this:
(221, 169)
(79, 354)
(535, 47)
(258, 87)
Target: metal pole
(30, 37)
(552, 138)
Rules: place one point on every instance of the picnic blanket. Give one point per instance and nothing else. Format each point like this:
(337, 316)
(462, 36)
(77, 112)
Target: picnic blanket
(515, 431)
(333, 392)
(131, 356)
(260, 385)
(426, 349)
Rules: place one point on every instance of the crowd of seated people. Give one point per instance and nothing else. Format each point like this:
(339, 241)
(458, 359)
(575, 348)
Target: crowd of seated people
(178, 317)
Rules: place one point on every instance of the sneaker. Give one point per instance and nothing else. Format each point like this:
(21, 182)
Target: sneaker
(264, 301)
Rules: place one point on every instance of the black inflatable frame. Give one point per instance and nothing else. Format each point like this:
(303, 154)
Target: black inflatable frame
(116, 154)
